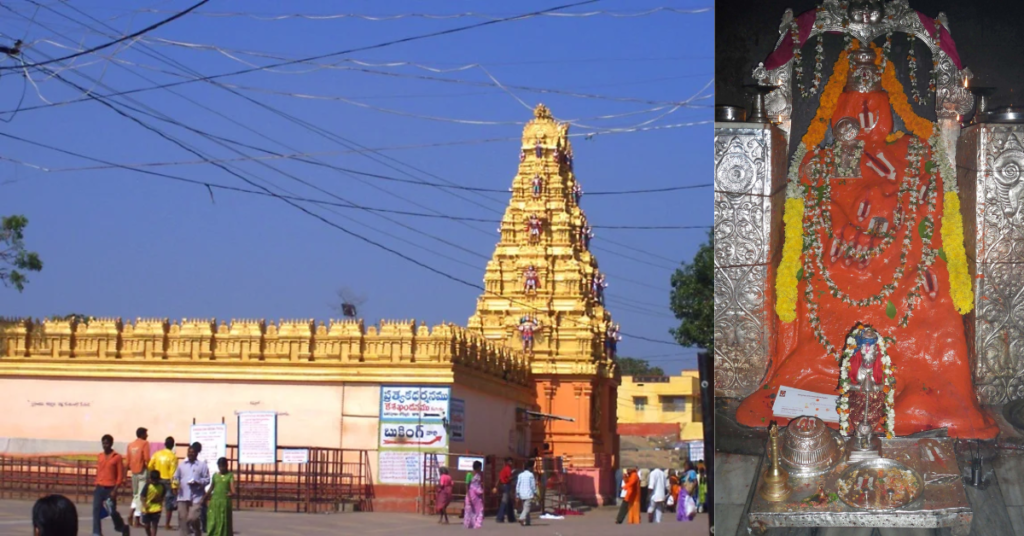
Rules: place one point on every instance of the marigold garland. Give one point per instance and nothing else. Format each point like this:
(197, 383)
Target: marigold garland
(956, 258)
(829, 100)
(952, 228)
(786, 282)
(898, 99)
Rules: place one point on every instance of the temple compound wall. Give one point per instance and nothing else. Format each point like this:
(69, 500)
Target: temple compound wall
(65, 384)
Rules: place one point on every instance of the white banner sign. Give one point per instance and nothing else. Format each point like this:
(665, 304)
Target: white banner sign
(257, 437)
(412, 435)
(214, 439)
(466, 463)
(300, 456)
(414, 403)
(400, 467)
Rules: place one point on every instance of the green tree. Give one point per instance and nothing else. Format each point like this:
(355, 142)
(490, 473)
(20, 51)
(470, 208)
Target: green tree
(15, 260)
(631, 366)
(693, 298)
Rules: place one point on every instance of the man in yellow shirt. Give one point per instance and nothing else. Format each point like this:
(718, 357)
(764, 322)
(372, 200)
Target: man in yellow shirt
(166, 463)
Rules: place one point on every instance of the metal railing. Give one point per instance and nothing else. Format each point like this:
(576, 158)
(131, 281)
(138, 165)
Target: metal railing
(332, 479)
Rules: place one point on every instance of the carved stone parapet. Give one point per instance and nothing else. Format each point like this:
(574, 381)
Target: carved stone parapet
(990, 162)
(14, 336)
(97, 339)
(750, 175)
(145, 339)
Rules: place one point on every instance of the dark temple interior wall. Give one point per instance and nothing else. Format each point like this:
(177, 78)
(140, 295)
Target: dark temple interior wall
(989, 37)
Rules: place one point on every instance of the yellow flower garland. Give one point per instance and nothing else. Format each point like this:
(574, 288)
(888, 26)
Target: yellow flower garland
(785, 280)
(956, 258)
(952, 223)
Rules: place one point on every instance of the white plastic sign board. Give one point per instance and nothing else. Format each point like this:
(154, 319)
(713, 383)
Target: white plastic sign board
(407, 435)
(257, 437)
(466, 462)
(299, 456)
(414, 403)
(214, 439)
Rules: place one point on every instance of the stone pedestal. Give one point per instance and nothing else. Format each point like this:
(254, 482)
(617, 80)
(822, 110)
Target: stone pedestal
(750, 192)
(990, 163)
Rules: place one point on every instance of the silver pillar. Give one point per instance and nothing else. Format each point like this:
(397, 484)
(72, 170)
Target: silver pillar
(750, 191)
(990, 162)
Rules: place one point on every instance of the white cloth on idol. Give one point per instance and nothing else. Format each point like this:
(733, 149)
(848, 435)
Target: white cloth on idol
(657, 485)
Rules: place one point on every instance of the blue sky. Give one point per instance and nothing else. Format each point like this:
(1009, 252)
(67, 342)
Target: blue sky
(116, 242)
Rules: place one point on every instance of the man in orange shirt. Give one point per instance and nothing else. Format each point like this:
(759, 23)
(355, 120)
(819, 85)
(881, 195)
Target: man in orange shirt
(109, 476)
(138, 459)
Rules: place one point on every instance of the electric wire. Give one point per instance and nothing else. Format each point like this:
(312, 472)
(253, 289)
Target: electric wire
(624, 303)
(468, 14)
(143, 123)
(114, 42)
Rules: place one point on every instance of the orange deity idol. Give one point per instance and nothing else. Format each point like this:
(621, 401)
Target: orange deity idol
(868, 250)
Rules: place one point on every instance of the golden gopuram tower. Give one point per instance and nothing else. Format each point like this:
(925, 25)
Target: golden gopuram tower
(544, 294)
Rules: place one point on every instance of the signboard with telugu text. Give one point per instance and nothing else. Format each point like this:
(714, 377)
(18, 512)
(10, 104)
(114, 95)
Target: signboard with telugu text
(466, 462)
(257, 437)
(214, 439)
(406, 435)
(414, 403)
(299, 456)
(401, 467)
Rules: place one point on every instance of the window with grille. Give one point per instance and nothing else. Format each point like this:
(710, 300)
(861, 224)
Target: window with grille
(673, 404)
(639, 403)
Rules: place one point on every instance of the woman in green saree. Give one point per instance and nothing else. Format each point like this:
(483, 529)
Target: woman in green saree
(219, 500)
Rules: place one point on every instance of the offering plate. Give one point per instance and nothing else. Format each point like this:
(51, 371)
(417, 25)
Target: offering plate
(865, 473)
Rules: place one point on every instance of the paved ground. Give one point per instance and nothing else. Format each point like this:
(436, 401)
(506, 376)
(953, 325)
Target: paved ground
(15, 520)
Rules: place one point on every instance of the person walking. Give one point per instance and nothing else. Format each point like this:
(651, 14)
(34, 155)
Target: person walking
(474, 518)
(444, 495)
(645, 475)
(109, 477)
(153, 496)
(526, 490)
(54, 515)
(506, 508)
(673, 485)
(702, 490)
(630, 498)
(219, 519)
(165, 462)
(191, 479)
(658, 486)
(138, 460)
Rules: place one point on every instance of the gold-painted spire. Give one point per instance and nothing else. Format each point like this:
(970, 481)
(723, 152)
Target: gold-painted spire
(544, 288)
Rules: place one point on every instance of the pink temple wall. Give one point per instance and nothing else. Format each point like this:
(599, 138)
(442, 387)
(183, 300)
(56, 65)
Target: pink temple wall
(339, 416)
(489, 420)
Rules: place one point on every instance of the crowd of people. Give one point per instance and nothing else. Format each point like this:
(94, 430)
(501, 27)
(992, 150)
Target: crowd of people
(160, 485)
(662, 490)
(518, 491)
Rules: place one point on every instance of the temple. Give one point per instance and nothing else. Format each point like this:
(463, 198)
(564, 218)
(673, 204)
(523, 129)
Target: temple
(532, 374)
(543, 288)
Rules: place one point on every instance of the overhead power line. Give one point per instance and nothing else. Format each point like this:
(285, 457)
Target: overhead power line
(217, 186)
(305, 211)
(469, 14)
(330, 54)
(109, 43)
(291, 200)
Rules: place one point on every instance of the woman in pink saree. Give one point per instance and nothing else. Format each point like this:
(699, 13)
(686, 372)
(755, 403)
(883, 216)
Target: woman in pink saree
(474, 517)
